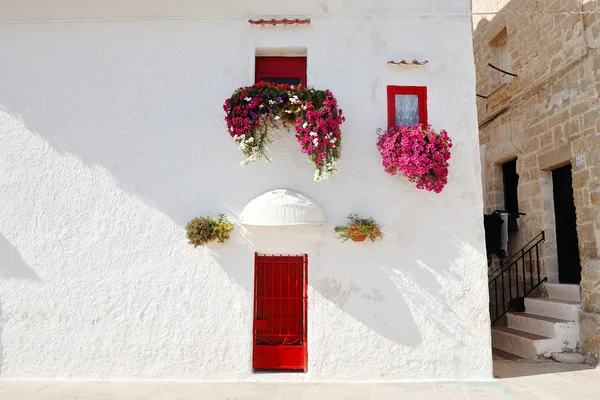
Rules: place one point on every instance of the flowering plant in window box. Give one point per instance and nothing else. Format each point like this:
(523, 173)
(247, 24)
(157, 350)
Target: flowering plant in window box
(419, 153)
(315, 115)
(358, 229)
(203, 230)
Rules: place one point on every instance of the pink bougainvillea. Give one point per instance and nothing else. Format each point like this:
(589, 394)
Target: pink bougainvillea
(419, 153)
(251, 111)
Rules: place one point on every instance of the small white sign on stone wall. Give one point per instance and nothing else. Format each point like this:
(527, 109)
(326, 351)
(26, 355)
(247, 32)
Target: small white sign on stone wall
(580, 160)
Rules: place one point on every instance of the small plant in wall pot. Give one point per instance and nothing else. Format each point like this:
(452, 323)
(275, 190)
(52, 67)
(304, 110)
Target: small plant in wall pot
(359, 229)
(203, 230)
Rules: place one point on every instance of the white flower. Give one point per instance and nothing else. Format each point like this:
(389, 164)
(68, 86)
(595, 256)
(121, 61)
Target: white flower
(255, 149)
(333, 140)
(320, 176)
(271, 102)
(294, 99)
(250, 140)
(304, 125)
(288, 111)
(313, 134)
(316, 141)
(277, 118)
(261, 106)
(248, 99)
(244, 163)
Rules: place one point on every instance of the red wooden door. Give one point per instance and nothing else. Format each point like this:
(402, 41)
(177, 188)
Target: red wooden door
(280, 298)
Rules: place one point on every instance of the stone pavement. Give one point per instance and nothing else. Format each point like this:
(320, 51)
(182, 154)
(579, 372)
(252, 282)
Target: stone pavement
(517, 381)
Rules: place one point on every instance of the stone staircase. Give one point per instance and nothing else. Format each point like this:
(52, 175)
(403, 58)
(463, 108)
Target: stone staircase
(548, 325)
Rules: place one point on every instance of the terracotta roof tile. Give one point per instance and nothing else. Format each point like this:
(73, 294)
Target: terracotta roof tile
(283, 21)
(409, 63)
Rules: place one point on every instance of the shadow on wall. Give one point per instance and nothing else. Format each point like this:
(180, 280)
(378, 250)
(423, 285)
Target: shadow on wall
(1, 346)
(12, 266)
(370, 282)
(138, 161)
(153, 154)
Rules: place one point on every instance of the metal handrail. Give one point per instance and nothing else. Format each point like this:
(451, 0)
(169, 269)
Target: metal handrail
(516, 268)
(539, 238)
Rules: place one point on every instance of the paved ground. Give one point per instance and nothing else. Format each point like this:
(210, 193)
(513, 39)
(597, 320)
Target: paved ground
(517, 381)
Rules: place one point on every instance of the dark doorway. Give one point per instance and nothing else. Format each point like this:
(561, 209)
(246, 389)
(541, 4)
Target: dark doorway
(510, 180)
(511, 185)
(569, 266)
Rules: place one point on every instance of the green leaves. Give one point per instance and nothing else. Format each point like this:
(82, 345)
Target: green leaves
(357, 227)
(206, 229)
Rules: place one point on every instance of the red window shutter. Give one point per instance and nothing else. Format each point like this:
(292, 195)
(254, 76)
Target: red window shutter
(281, 70)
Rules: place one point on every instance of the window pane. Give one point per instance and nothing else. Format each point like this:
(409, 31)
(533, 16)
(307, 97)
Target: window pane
(504, 63)
(407, 109)
(289, 81)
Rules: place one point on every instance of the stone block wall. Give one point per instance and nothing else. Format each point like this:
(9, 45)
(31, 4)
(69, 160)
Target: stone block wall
(546, 117)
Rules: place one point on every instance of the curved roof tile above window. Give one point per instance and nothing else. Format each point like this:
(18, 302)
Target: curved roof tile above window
(282, 207)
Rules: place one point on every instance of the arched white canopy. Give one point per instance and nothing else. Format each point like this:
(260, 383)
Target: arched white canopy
(282, 207)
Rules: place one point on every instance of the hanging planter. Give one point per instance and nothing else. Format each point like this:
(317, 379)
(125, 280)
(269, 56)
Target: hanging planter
(251, 111)
(417, 152)
(358, 229)
(203, 230)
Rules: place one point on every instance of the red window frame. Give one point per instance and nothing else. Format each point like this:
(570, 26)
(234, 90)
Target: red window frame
(281, 67)
(280, 313)
(420, 91)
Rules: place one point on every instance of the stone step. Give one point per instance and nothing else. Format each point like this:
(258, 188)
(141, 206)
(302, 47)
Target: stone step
(522, 344)
(564, 291)
(556, 308)
(566, 332)
(503, 355)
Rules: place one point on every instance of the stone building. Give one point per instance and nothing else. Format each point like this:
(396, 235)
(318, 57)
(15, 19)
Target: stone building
(547, 118)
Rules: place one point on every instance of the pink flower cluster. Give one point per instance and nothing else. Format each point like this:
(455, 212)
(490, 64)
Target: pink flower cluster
(319, 135)
(315, 113)
(419, 153)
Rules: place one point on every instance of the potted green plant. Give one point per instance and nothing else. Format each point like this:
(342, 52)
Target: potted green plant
(359, 229)
(207, 229)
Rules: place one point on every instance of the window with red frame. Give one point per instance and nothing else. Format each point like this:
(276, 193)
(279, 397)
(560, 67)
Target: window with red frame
(290, 70)
(407, 105)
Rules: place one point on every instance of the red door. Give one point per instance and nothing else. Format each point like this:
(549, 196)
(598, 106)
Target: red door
(280, 297)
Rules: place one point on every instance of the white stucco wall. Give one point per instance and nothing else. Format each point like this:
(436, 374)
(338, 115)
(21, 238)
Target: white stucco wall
(112, 138)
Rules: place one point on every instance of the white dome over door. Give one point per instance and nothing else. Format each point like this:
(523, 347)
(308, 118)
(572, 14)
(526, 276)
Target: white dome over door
(282, 207)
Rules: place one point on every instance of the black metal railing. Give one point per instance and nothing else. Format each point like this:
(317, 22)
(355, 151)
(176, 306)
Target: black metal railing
(517, 277)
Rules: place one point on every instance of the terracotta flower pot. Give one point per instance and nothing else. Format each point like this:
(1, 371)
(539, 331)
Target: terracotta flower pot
(355, 236)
